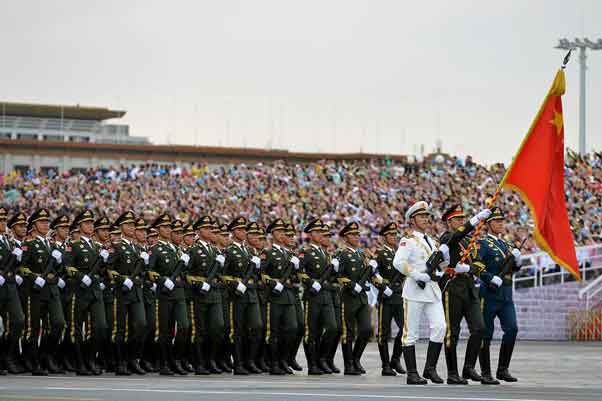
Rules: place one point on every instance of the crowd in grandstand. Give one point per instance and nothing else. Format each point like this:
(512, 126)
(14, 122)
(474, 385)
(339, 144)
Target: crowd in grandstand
(371, 192)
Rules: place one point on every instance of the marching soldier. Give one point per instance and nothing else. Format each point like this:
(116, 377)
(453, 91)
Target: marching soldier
(41, 265)
(355, 272)
(501, 261)
(263, 352)
(10, 305)
(140, 234)
(150, 362)
(188, 239)
(168, 262)
(128, 317)
(420, 294)
(206, 317)
(105, 233)
(278, 265)
(241, 272)
(291, 243)
(87, 299)
(461, 299)
(334, 288)
(320, 324)
(224, 359)
(177, 233)
(152, 236)
(390, 302)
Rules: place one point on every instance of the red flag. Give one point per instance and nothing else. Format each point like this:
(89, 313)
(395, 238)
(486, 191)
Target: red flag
(537, 174)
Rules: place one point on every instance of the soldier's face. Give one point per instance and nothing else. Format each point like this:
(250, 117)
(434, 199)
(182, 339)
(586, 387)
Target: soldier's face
(205, 233)
(254, 240)
(353, 240)
(291, 240)
(19, 230)
(86, 228)
(62, 233)
(496, 226)
(391, 239)
(422, 221)
(455, 223)
(176, 237)
(279, 236)
(165, 231)
(240, 234)
(224, 239)
(102, 234)
(189, 239)
(128, 229)
(151, 241)
(42, 227)
(140, 235)
(317, 237)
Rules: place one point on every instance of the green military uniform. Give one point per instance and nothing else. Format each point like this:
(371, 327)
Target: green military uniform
(164, 259)
(316, 271)
(354, 274)
(10, 305)
(87, 300)
(126, 269)
(224, 354)
(334, 288)
(277, 268)
(390, 305)
(150, 362)
(207, 319)
(263, 352)
(107, 355)
(461, 300)
(40, 295)
(241, 272)
(299, 315)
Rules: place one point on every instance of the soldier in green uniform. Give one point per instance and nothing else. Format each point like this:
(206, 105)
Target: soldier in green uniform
(461, 297)
(87, 299)
(59, 228)
(390, 301)
(206, 317)
(291, 243)
(278, 265)
(104, 234)
(129, 322)
(188, 239)
(164, 260)
(329, 350)
(10, 305)
(263, 352)
(355, 272)
(224, 354)
(41, 265)
(150, 362)
(241, 273)
(177, 234)
(320, 320)
(140, 233)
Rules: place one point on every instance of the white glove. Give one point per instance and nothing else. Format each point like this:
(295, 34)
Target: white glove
(2, 281)
(18, 253)
(445, 251)
(335, 264)
(40, 282)
(496, 280)
(220, 259)
(144, 257)
(278, 287)
(378, 277)
(482, 215)
(357, 288)
(18, 279)
(154, 287)
(185, 258)
(462, 268)
(388, 292)
(86, 280)
(516, 254)
(169, 284)
(241, 287)
(205, 287)
(425, 278)
(316, 286)
(102, 286)
(295, 262)
(104, 254)
(372, 263)
(61, 283)
(439, 273)
(257, 261)
(56, 254)
(128, 283)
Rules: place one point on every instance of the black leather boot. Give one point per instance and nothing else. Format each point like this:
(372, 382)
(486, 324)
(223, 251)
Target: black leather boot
(238, 353)
(432, 356)
(451, 360)
(503, 373)
(409, 356)
(80, 369)
(350, 368)
(383, 350)
(470, 359)
(330, 352)
(485, 362)
(396, 357)
(313, 369)
(164, 361)
(358, 351)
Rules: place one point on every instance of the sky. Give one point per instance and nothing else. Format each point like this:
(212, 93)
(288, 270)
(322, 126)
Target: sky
(392, 77)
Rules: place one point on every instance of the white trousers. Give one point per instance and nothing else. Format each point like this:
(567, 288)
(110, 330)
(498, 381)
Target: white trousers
(413, 312)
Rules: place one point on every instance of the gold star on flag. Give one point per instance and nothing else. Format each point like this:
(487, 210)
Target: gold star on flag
(557, 122)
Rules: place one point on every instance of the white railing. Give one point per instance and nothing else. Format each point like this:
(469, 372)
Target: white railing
(590, 291)
(539, 269)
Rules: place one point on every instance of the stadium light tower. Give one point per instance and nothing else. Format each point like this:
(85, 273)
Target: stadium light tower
(566, 44)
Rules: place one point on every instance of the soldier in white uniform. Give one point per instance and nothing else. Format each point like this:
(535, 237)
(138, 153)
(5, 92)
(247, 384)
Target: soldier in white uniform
(421, 293)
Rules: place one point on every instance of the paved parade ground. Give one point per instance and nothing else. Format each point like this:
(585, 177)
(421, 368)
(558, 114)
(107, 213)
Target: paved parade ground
(546, 370)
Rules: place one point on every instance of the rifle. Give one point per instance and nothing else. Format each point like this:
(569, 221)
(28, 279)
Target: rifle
(137, 271)
(50, 267)
(365, 276)
(212, 274)
(93, 270)
(177, 271)
(507, 266)
(432, 265)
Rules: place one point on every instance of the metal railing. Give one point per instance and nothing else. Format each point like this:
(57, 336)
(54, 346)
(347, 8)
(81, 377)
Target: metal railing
(539, 269)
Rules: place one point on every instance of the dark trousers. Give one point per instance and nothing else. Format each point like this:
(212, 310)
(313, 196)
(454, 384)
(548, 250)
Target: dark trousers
(506, 313)
(172, 312)
(388, 312)
(129, 327)
(356, 322)
(13, 319)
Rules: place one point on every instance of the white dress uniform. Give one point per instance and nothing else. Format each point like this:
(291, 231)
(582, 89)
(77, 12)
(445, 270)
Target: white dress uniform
(410, 259)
